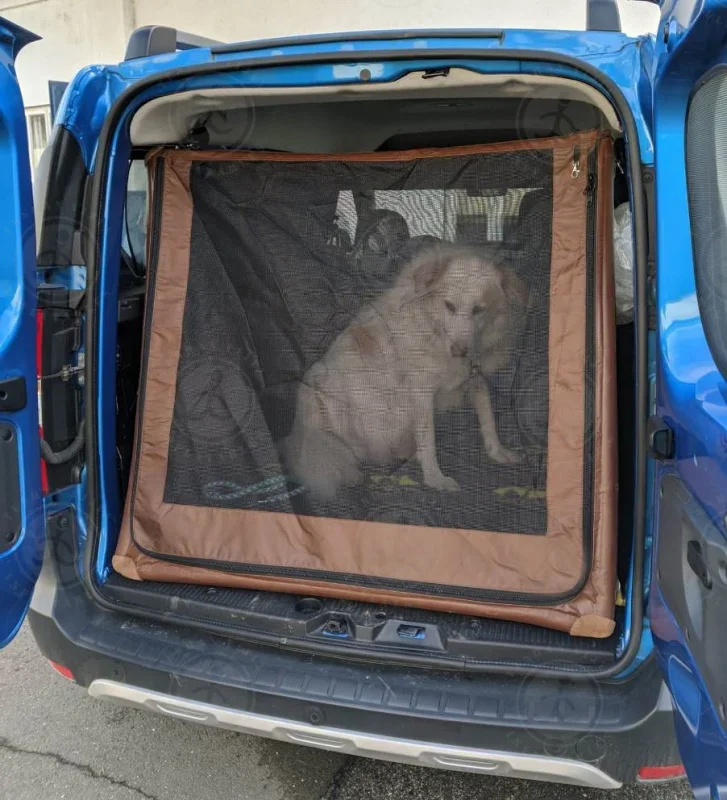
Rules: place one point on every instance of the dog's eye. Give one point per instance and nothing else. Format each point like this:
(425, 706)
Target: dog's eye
(449, 306)
(478, 310)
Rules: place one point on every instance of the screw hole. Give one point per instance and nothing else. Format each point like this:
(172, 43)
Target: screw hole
(308, 605)
(722, 710)
(365, 74)
(6, 435)
(10, 536)
(315, 717)
(380, 615)
(3, 394)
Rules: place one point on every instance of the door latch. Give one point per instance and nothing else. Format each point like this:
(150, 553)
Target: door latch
(660, 439)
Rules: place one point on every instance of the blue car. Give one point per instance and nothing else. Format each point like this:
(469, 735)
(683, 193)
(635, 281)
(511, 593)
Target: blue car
(648, 702)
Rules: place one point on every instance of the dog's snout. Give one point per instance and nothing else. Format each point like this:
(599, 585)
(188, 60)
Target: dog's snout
(459, 350)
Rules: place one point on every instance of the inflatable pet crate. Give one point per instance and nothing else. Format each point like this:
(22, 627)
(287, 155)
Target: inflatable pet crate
(258, 264)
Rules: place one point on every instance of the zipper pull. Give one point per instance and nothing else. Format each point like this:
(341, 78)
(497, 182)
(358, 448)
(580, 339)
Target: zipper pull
(576, 171)
(590, 189)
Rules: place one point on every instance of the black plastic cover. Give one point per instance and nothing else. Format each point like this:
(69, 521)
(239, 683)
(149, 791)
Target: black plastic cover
(692, 570)
(60, 231)
(13, 394)
(603, 15)
(10, 519)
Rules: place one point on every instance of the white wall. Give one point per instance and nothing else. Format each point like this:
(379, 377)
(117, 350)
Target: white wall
(80, 32)
(75, 33)
(284, 17)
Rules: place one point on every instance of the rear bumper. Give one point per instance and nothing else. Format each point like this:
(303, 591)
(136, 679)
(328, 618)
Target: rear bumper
(588, 733)
(387, 748)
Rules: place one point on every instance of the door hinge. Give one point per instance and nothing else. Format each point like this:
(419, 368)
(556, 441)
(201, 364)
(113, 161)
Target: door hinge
(660, 439)
(13, 394)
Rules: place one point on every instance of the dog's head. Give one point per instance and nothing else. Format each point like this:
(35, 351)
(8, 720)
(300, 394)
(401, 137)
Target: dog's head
(459, 288)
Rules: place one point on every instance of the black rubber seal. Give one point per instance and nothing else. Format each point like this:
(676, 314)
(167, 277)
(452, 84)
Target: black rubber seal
(95, 221)
(363, 36)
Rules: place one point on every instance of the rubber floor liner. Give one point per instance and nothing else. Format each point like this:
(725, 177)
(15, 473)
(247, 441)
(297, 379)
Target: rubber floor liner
(386, 377)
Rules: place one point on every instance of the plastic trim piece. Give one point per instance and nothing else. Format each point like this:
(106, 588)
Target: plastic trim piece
(62, 189)
(363, 36)
(95, 222)
(13, 394)
(11, 521)
(406, 751)
(156, 40)
(603, 15)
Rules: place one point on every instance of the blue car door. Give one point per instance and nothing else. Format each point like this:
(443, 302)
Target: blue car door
(688, 597)
(21, 502)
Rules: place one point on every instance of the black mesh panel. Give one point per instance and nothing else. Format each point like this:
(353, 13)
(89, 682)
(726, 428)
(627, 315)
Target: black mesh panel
(283, 258)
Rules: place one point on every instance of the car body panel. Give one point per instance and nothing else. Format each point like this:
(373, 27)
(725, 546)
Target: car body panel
(22, 515)
(691, 398)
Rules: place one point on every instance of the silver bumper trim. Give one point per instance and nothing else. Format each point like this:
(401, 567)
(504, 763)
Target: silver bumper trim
(427, 754)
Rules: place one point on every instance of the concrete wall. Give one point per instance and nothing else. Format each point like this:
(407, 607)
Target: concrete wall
(75, 33)
(80, 32)
(284, 17)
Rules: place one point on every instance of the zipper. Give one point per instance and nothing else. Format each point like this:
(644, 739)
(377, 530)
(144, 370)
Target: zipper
(369, 581)
(590, 366)
(590, 190)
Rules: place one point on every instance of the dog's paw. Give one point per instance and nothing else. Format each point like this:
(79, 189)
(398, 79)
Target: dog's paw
(501, 455)
(443, 483)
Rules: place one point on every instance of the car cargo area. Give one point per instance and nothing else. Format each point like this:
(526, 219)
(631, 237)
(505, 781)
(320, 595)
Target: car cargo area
(375, 380)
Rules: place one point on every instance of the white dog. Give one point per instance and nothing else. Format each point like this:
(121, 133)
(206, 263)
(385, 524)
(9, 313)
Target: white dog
(423, 345)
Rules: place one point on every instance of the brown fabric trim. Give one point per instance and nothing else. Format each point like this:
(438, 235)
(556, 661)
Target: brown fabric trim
(548, 564)
(593, 626)
(126, 566)
(174, 244)
(557, 617)
(583, 139)
(605, 500)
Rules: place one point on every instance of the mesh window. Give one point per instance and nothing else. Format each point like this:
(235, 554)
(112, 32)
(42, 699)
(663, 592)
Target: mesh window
(707, 179)
(290, 266)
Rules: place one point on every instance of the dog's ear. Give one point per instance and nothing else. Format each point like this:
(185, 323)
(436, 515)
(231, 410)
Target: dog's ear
(426, 270)
(514, 288)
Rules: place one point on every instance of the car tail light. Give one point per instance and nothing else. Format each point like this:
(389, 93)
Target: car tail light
(654, 774)
(61, 670)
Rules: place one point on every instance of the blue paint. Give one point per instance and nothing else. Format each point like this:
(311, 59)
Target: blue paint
(19, 566)
(72, 278)
(690, 390)
(411, 632)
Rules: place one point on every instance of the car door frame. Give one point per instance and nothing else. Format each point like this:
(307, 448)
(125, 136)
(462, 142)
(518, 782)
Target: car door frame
(686, 517)
(22, 518)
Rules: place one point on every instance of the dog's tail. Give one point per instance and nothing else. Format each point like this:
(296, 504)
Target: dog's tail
(318, 458)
